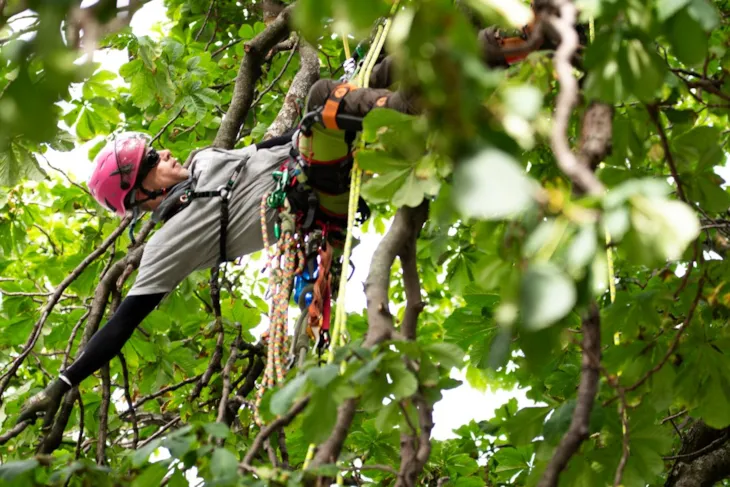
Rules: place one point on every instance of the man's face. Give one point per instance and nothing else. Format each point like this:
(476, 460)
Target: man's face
(168, 172)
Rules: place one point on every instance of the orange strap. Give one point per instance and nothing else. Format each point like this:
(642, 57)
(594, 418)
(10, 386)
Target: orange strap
(332, 105)
(514, 43)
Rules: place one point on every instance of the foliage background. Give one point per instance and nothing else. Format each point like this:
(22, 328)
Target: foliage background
(512, 266)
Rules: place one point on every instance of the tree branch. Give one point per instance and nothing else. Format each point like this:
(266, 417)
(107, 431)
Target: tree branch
(654, 114)
(128, 397)
(587, 389)
(580, 174)
(103, 432)
(227, 378)
(307, 75)
(248, 74)
(268, 430)
(205, 22)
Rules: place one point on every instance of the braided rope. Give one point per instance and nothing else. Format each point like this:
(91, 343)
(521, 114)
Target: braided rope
(282, 264)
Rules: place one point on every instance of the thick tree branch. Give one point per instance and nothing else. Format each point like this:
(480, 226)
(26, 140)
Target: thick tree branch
(581, 174)
(703, 460)
(587, 389)
(248, 74)
(307, 75)
(596, 134)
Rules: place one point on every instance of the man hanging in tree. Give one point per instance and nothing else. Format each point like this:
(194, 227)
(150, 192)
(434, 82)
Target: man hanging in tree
(211, 209)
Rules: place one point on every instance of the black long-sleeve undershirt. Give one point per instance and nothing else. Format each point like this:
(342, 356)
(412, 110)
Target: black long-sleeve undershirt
(108, 341)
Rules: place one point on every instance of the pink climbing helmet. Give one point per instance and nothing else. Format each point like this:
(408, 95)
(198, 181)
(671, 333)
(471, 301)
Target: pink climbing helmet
(117, 167)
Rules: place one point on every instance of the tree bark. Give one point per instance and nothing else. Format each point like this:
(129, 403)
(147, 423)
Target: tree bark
(704, 458)
(307, 75)
(248, 74)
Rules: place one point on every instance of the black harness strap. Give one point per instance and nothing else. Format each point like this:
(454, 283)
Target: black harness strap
(224, 193)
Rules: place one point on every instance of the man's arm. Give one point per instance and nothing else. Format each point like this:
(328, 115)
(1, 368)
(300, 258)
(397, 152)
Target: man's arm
(102, 347)
(108, 341)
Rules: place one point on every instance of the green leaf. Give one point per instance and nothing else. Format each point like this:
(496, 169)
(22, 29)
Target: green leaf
(223, 464)
(688, 38)
(524, 101)
(246, 32)
(526, 425)
(387, 417)
(446, 354)
(283, 398)
(492, 186)
(217, 430)
(11, 470)
(321, 376)
(177, 479)
(705, 13)
(152, 475)
(404, 383)
(546, 296)
(661, 229)
(667, 8)
(319, 417)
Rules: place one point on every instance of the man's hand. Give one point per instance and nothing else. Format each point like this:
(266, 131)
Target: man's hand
(44, 404)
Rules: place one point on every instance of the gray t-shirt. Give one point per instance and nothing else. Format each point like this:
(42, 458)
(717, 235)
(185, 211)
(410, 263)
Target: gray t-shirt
(189, 241)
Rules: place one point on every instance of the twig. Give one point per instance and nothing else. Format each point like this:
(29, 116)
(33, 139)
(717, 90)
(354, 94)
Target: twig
(581, 175)
(205, 22)
(48, 237)
(65, 175)
(623, 412)
(281, 439)
(128, 397)
(224, 47)
(162, 392)
(222, 407)
(51, 303)
(278, 77)
(654, 114)
(379, 468)
(675, 342)
(579, 430)
(160, 432)
(674, 416)
(13, 432)
(74, 332)
(106, 395)
(266, 431)
(701, 451)
(166, 126)
(81, 428)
